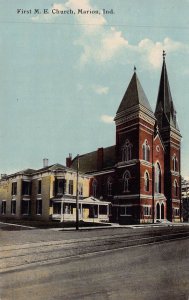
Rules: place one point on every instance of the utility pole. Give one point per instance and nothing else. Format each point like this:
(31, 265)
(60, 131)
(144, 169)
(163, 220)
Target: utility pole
(77, 195)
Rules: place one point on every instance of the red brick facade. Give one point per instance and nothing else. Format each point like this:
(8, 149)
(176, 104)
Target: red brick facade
(140, 175)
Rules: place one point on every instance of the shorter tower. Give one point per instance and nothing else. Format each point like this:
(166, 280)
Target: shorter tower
(140, 167)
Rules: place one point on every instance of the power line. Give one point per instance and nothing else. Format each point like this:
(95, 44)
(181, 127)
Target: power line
(93, 24)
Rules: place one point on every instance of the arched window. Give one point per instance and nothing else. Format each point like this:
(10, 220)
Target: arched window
(157, 211)
(162, 211)
(175, 188)
(157, 178)
(146, 151)
(94, 188)
(146, 182)
(109, 186)
(175, 163)
(126, 178)
(127, 151)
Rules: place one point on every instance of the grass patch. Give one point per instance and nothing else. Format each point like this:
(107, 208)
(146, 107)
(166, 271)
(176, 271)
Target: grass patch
(51, 224)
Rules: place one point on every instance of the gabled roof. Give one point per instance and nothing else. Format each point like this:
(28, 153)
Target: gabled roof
(134, 95)
(165, 111)
(158, 136)
(88, 161)
(53, 168)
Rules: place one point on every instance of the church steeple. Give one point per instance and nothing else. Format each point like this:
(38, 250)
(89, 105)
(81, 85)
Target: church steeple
(165, 111)
(165, 114)
(134, 95)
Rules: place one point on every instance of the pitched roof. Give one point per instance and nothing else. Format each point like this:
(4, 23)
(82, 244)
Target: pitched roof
(23, 172)
(88, 161)
(134, 95)
(165, 106)
(54, 167)
(51, 168)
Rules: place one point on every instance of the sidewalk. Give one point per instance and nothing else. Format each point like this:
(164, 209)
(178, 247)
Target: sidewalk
(111, 225)
(116, 225)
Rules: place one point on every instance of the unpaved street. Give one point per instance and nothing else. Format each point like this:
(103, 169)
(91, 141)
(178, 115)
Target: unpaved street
(115, 263)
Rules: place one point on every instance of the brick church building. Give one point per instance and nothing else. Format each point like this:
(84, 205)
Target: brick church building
(140, 174)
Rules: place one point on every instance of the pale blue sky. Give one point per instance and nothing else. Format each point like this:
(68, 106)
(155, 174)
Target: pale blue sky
(63, 76)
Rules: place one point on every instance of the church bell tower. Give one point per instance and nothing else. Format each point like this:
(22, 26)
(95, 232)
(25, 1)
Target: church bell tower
(168, 127)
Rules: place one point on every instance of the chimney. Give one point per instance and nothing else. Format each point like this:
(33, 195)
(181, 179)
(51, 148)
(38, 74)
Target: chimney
(45, 162)
(100, 158)
(69, 160)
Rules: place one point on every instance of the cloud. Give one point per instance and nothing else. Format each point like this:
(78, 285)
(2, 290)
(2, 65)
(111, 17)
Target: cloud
(100, 90)
(90, 22)
(102, 47)
(152, 51)
(101, 44)
(111, 43)
(107, 119)
(98, 43)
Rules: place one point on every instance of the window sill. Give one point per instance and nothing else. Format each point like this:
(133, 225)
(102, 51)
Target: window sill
(125, 215)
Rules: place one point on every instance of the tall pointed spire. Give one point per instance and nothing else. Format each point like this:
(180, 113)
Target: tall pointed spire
(165, 111)
(134, 95)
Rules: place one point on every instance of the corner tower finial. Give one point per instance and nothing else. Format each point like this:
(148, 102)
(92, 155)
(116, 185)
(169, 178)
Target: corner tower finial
(134, 69)
(164, 54)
